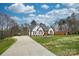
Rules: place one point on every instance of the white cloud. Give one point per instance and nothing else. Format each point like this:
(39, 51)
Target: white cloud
(62, 13)
(15, 18)
(46, 19)
(44, 6)
(21, 8)
(32, 15)
(59, 13)
(57, 6)
(50, 17)
(71, 5)
(43, 16)
(76, 11)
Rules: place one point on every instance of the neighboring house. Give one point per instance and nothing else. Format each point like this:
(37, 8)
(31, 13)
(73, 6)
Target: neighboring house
(37, 30)
(60, 29)
(50, 31)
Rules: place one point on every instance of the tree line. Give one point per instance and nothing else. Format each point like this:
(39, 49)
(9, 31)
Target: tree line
(8, 27)
(70, 25)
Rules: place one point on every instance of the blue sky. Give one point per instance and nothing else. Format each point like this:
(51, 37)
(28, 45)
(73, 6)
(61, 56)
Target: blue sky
(46, 13)
(37, 6)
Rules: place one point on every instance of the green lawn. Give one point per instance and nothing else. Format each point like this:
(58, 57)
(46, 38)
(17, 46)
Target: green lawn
(60, 45)
(5, 44)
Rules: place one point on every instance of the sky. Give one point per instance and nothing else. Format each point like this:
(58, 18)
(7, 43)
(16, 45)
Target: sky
(47, 13)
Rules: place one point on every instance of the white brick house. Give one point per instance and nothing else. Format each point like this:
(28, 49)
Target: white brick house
(37, 30)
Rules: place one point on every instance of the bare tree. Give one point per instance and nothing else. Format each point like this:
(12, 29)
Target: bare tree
(8, 26)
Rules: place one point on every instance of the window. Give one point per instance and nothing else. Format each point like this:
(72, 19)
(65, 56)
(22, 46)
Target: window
(34, 32)
(40, 31)
(50, 31)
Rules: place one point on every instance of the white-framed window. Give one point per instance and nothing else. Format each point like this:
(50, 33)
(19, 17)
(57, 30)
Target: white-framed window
(40, 31)
(34, 32)
(50, 31)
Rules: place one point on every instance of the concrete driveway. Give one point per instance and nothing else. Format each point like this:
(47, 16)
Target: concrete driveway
(26, 46)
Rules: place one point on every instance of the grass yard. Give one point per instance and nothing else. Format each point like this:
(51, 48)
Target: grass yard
(60, 45)
(5, 44)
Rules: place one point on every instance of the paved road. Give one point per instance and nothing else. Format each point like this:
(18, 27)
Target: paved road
(25, 46)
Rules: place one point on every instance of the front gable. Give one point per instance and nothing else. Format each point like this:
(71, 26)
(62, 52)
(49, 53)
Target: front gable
(50, 31)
